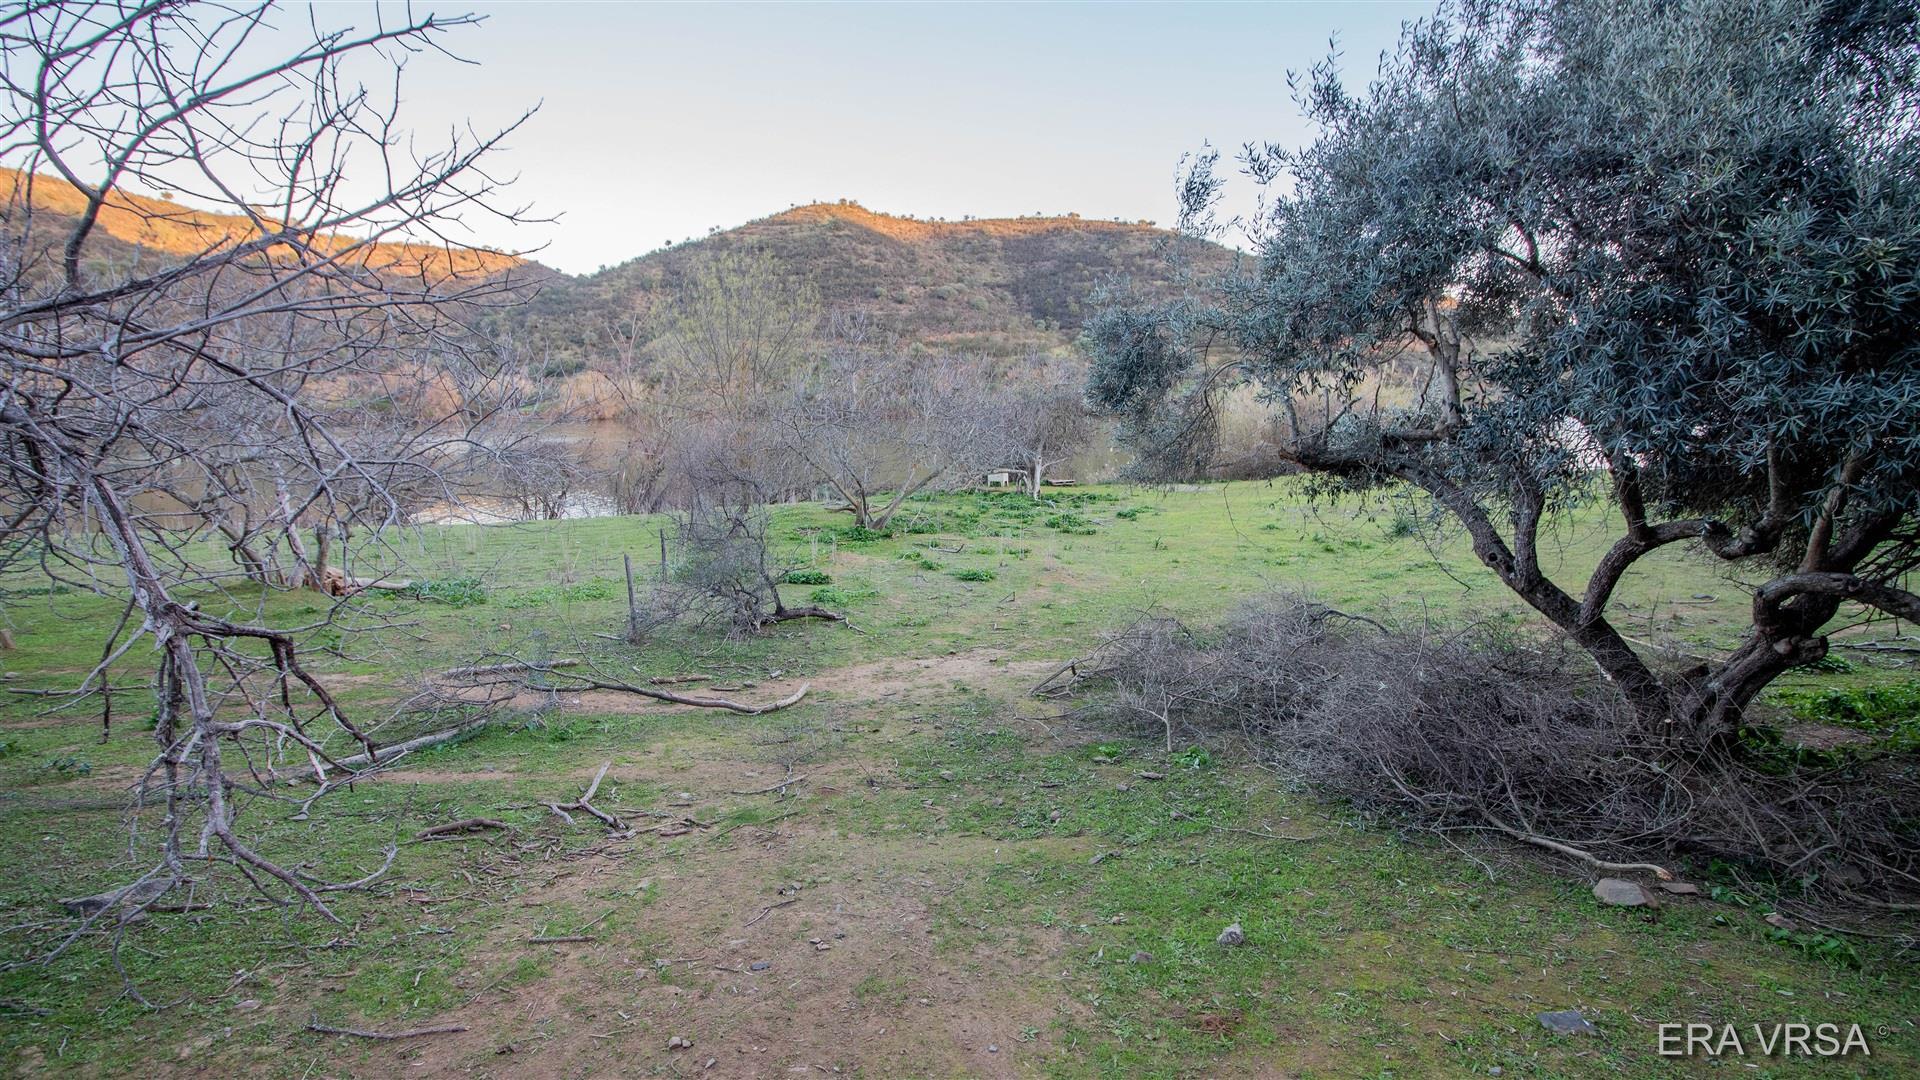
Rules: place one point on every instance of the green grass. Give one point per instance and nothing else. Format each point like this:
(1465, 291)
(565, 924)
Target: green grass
(1034, 857)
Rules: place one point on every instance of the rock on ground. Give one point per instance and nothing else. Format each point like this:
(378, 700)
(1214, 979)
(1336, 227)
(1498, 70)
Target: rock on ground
(1619, 892)
(1567, 1022)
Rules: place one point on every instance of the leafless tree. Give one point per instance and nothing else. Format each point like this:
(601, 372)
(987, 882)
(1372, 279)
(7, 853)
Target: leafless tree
(286, 364)
(879, 425)
(1038, 418)
(635, 470)
(725, 569)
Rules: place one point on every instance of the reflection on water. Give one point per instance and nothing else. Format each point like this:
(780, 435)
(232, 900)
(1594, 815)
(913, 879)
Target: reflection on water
(492, 510)
(599, 449)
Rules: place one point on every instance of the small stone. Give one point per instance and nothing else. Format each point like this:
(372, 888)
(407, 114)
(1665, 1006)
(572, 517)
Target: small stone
(678, 1043)
(1567, 1022)
(1232, 936)
(1619, 892)
(1055, 816)
(1150, 775)
(821, 946)
(759, 965)
(1780, 922)
(248, 1005)
(1142, 957)
(946, 774)
(993, 1048)
(1495, 1070)
(1680, 888)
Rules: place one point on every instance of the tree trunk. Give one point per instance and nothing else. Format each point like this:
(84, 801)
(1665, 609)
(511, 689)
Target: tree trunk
(251, 564)
(1784, 636)
(319, 570)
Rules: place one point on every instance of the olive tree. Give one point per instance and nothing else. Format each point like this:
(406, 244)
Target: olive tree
(1663, 254)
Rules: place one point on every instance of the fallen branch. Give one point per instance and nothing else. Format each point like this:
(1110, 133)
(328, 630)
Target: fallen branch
(1570, 851)
(452, 828)
(411, 1033)
(1264, 835)
(583, 683)
(684, 824)
(508, 668)
(765, 911)
(388, 753)
(1045, 686)
(675, 680)
(559, 939)
(585, 803)
(781, 786)
(787, 614)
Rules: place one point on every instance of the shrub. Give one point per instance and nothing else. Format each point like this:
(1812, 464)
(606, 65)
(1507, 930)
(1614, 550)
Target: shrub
(454, 592)
(805, 577)
(974, 574)
(1483, 730)
(841, 595)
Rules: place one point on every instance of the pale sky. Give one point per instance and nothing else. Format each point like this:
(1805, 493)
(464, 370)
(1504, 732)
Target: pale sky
(661, 121)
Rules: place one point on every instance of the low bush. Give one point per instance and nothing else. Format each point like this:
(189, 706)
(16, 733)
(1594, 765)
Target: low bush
(453, 592)
(806, 577)
(1478, 729)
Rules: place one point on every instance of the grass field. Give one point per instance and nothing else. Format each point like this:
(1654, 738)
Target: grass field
(965, 883)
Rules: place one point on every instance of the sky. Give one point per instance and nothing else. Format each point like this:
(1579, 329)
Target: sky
(660, 122)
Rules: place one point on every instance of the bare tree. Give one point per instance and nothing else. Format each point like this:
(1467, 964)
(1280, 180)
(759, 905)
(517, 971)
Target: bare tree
(1038, 418)
(288, 370)
(737, 330)
(878, 425)
(725, 569)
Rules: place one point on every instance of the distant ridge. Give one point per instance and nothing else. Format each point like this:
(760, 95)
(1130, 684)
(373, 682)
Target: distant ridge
(994, 286)
(989, 285)
(914, 229)
(131, 225)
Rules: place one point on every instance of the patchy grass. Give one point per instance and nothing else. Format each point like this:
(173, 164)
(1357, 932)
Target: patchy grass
(981, 871)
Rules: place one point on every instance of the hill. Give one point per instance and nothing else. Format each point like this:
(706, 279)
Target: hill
(994, 285)
(133, 227)
(986, 285)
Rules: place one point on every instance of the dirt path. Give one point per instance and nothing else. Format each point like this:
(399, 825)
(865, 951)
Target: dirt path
(783, 948)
